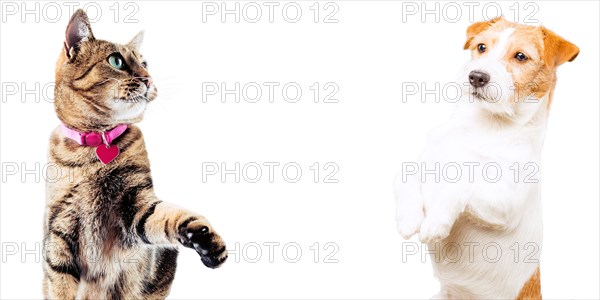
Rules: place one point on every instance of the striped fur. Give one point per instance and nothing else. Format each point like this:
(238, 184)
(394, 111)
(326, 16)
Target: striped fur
(106, 235)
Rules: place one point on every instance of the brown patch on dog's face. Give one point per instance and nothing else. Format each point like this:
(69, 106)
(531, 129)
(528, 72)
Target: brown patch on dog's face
(476, 29)
(100, 84)
(524, 60)
(530, 55)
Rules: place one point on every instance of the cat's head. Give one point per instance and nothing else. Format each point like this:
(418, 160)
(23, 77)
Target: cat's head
(100, 84)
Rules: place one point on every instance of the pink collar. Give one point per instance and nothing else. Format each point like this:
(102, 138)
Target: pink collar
(94, 138)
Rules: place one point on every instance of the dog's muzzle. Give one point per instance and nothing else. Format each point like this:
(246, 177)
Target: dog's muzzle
(479, 78)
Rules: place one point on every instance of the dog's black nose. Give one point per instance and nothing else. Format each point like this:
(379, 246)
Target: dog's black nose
(478, 78)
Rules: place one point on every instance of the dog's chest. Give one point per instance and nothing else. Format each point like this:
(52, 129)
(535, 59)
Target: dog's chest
(472, 145)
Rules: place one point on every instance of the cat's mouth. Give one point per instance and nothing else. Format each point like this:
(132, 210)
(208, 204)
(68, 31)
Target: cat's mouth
(136, 99)
(137, 94)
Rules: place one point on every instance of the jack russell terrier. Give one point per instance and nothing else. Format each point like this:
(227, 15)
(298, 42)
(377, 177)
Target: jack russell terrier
(475, 199)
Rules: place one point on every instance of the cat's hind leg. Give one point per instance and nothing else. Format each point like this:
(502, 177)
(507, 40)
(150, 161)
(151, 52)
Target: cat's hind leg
(157, 283)
(61, 276)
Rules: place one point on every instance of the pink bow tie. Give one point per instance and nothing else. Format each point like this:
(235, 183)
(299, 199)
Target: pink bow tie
(93, 138)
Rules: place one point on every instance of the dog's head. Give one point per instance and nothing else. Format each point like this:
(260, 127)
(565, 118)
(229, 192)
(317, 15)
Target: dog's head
(512, 65)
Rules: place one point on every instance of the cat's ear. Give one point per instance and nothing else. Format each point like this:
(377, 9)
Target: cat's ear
(78, 31)
(136, 41)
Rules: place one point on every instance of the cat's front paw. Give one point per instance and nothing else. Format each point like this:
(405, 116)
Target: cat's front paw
(434, 230)
(200, 237)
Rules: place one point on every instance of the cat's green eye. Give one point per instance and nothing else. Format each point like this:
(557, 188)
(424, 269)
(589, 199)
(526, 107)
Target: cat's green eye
(116, 61)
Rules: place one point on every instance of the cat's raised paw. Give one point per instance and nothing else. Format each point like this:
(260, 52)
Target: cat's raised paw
(200, 237)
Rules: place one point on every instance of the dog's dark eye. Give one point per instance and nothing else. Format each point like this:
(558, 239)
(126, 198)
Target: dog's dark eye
(144, 65)
(481, 48)
(520, 56)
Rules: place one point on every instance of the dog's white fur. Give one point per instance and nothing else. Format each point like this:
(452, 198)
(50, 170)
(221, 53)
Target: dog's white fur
(464, 223)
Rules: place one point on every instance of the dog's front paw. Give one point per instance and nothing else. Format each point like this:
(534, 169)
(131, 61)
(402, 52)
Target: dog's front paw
(200, 237)
(409, 224)
(433, 230)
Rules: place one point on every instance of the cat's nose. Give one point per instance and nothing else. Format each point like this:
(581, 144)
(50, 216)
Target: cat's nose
(147, 81)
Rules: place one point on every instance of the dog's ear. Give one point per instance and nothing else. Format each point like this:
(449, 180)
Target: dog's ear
(477, 28)
(557, 50)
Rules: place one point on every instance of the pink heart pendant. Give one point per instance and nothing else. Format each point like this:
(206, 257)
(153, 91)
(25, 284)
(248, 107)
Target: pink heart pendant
(106, 154)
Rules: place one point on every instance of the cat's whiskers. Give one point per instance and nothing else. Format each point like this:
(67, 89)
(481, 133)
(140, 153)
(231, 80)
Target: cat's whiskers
(137, 97)
(110, 78)
(169, 90)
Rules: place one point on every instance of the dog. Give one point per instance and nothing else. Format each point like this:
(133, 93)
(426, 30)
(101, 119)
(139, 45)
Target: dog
(475, 197)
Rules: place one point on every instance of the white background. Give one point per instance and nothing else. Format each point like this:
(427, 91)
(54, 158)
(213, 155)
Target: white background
(369, 53)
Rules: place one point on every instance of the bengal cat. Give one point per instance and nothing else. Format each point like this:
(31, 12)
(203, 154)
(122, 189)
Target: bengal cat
(106, 235)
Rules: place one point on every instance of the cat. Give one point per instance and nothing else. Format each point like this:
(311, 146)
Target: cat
(106, 235)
